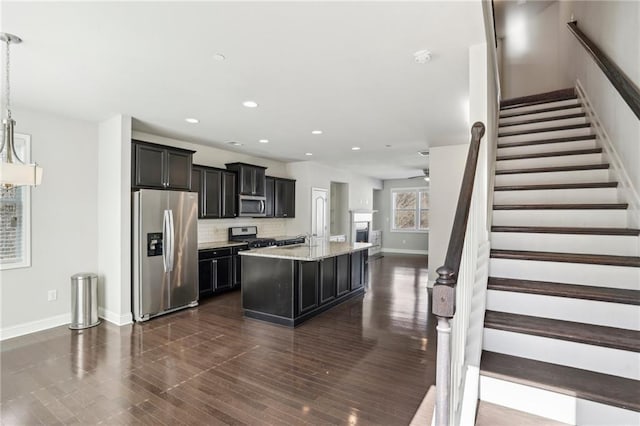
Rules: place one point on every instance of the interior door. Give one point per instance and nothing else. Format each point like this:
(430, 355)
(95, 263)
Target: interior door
(319, 211)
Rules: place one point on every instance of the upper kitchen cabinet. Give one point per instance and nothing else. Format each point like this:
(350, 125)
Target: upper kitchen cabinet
(160, 167)
(285, 198)
(216, 192)
(270, 195)
(251, 178)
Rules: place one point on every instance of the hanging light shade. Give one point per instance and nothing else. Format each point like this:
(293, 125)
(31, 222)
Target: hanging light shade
(13, 171)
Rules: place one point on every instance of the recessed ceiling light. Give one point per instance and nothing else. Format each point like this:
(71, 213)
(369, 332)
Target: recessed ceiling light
(422, 56)
(264, 141)
(192, 120)
(234, 143)
(308, 153)
(355, 148)
(250, 104)
(219, 57)
(316, 132)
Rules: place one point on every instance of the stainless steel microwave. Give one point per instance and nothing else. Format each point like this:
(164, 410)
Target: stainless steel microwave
(252, 206)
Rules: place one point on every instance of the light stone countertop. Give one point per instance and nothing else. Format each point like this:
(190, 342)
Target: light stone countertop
(219, 244)
(307, 253)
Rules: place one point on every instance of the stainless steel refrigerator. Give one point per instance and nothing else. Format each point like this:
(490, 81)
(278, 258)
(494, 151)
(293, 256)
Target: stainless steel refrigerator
(165, 252)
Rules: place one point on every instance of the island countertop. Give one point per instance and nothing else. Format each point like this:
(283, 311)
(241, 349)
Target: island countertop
(305, 252)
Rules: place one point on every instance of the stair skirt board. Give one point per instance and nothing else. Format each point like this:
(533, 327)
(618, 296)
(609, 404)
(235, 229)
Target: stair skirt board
(570, 273)
(536, 125)
(550, 134)
(548, 147)
(616, 362)
(545, 196)
(545, 113)
(567, 309)
(554, 405)
(616, 245)
(546, 105)
(555, 161)
(540, 178)
(558, 217)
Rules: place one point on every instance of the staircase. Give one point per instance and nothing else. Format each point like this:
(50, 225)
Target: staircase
(561, 332)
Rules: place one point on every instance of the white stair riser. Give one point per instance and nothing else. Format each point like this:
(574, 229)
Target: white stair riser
(578, 195)
(548, 147)
(574, 176)
(570, 273)
(553, 405)
(539, 115)
(559, 160)
(572, 354)
(568, 102)
(567, 309)
(577, 218)
(543, 124)
(583, 131)
(617, 245)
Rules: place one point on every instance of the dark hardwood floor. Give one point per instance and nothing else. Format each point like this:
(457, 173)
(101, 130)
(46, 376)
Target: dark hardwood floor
(368, 361)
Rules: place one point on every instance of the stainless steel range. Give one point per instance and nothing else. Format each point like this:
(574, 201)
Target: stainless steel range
(249, 235)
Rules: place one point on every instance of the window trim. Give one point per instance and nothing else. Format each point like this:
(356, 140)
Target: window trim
(23, 140)
(417, 210)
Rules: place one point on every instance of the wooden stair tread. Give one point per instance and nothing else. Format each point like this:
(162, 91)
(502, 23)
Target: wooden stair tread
(598, 166)
(547, 186)
(573, 291)
(575, 206)
(546, 141)
(549, 154)
(544, 129)
(538, 111)
(597, 335)
(548, 256)
(538, 98)
(567, 230)
(544, 119)
(598, 387)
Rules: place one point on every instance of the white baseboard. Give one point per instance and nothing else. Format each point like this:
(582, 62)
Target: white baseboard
(33, 326)
(115, 318)
(404, 251)
(625, 183)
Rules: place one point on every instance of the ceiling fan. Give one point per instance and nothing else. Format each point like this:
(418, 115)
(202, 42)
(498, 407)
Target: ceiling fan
(424, 175)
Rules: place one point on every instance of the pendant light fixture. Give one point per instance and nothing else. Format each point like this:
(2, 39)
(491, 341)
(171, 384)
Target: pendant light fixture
(13, 171)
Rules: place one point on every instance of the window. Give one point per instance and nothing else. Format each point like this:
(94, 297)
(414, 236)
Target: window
(410, 209)
(15, 226)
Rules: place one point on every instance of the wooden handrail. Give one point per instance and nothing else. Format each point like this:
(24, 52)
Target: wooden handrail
(443, 301)
(623, 84)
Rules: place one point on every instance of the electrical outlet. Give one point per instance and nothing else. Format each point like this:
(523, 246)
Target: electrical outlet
(52, 295)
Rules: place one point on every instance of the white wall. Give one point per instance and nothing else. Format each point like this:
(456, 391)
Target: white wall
(114, 219)
(64, 223)
(615, 27)
(394, 241)
(309, 174)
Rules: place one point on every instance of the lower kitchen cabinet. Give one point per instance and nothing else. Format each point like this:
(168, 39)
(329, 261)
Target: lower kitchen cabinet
(357, 270)
(327, 280)
(237, 265)
(215, 271)
(343, 275)
(307, 286)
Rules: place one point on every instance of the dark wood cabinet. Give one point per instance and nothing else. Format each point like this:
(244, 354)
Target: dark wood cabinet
(237, 265)
(160, 167)
(215, 271)
(216, 192)
(307, 286)
(357, 270)
(270, 192)
(327, 280)
(251, 178)
(285, 198)
(343, 275)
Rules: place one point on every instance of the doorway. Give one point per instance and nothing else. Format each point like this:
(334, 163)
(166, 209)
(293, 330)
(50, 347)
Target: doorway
(319, 210)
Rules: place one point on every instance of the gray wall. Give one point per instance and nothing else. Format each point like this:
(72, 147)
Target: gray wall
(400, 242)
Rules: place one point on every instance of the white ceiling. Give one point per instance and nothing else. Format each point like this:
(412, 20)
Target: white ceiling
(346, 68)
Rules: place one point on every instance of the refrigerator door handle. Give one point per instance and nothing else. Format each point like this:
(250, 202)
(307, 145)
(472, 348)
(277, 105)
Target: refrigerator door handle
(171, 248)
(166, 243)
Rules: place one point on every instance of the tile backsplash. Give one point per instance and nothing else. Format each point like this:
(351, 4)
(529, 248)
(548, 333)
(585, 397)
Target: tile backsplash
(212, 230)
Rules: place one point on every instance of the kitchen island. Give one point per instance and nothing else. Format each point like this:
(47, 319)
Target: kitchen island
(288, 285)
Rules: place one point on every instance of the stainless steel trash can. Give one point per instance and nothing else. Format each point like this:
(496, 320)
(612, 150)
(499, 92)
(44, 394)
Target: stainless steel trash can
(84, 301)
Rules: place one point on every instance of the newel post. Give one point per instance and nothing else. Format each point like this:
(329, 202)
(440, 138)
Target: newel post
(443, 307)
